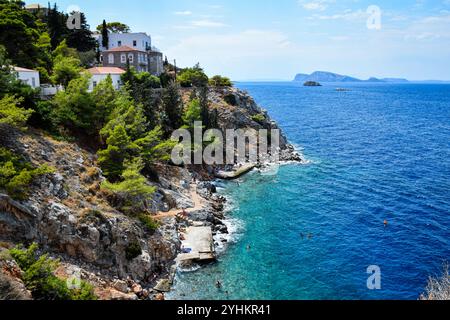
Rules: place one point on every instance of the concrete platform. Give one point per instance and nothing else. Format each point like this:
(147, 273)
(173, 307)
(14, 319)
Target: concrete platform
(230, 175)
(200, 241)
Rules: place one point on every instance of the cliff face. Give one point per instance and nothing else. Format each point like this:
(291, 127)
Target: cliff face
(67, 214)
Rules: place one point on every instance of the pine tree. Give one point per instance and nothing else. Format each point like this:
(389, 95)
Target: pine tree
(120, 148)
(81, 39)
(173, 108)
(204, 107)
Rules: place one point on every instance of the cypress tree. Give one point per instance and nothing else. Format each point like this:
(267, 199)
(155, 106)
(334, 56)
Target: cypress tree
(105, 36)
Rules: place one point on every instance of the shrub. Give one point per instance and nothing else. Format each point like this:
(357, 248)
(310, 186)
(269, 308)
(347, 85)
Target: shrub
(133, 250)
(192, 114)
(133, 183)
(120, 147)
(260, 118)
(12, 114)
(150, 223)
(40, 279)
(130, 194)
(65, 70)
(193, 77)
(74, 108)
(219, 81)
(16, 174)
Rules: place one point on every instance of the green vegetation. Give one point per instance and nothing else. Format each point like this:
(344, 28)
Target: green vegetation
(103, 29)
(19, 33)
(74, 108)
(29, 38)
(219, 81)
(259, 118)
(192, 114)
(40, 279)
(133, 183)
(152, 147)
(193, 77)
(173, 108)
(113, 27)
(150, 223)
(67, 65)
(133, 250)
(130, 128)
(12, 114)
(120, 148)
(16, 174)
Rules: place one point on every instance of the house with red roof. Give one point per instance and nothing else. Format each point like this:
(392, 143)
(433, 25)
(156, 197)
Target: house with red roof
(118, 57)
(136, 47)
(101, 73)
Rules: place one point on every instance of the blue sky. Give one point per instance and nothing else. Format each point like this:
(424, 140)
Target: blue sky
(268, 39)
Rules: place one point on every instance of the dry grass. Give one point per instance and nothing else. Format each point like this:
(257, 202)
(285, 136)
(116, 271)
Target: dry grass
(438, 287)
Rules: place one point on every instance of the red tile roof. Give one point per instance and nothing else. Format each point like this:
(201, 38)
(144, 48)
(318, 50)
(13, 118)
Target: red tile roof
(106, 70)
(123, 49)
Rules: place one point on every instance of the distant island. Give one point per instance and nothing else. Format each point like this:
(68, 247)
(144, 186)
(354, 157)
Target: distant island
(312, 84)
(324, 76)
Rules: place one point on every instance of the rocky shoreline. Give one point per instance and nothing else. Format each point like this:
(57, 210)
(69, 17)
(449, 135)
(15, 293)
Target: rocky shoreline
(214, 215)
(69, 216)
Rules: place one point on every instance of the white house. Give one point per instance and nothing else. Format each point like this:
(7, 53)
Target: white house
(139, 41)
(136, 46)
(28, 76)
(101, 73)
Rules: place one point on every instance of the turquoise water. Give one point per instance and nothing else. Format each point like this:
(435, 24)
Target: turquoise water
(377, 152)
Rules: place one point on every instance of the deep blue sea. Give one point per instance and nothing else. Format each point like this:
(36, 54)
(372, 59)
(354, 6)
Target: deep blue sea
(378, 152)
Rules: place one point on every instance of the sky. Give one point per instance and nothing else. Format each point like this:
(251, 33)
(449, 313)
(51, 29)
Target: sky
(276, 39)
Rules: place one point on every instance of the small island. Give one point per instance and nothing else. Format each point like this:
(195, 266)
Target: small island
(312, 84)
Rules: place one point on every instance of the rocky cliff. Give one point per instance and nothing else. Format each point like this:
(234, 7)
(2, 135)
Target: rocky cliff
(69, 216)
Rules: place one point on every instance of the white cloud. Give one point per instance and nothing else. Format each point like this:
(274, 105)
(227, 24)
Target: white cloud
(429, 28)
(315, 5)
(183, 13)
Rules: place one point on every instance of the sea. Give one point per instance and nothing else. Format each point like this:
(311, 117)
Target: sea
(367, 216)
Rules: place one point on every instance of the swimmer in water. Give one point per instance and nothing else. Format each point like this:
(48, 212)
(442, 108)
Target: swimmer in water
(218, 284)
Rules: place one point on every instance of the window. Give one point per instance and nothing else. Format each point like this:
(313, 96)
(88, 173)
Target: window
(111, 58)
(33, 82)
(134, 43)
(119, 43)
(123, 58)
(95, 83)
(131, 58)
(101, 58)
(139, 58)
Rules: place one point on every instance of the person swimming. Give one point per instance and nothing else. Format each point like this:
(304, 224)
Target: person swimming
(218, 284)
